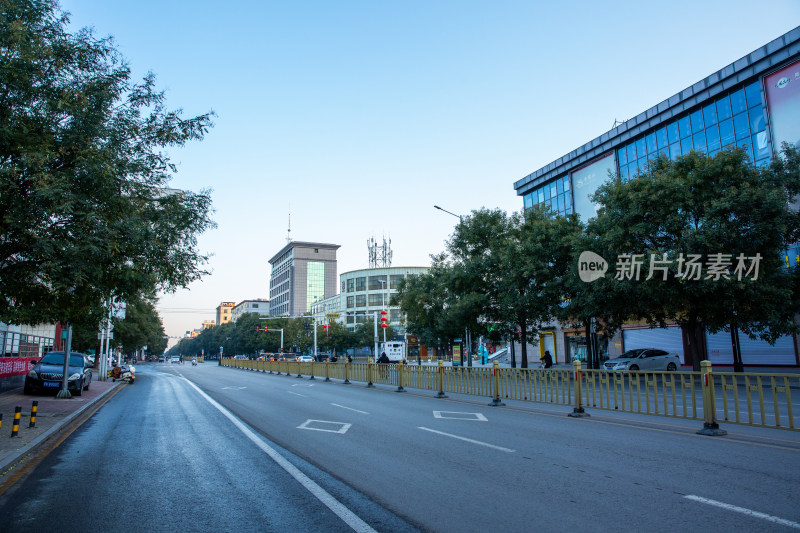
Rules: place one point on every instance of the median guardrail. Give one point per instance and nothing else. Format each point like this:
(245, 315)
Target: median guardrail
(751, 399)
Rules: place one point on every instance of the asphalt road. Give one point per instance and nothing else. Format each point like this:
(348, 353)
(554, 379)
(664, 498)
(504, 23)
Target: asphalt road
(458, 465)
(161, 457)
(208, 448)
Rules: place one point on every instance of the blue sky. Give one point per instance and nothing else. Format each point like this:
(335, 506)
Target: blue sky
(359, 116)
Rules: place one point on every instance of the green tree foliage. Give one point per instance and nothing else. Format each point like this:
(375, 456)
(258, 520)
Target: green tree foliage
(704, 206)
(84, 210)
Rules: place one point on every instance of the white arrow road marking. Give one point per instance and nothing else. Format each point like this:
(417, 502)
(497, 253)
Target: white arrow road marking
(749, 512)
(508, 450)
(347, 516)
(350, 408)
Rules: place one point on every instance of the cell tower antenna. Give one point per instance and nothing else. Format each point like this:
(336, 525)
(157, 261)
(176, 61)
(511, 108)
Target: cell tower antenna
(289, 231)
(379, 255)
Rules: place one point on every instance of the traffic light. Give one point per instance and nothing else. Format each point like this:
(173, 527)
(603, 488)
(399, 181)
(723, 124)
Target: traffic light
(384, 319)
(264, 329)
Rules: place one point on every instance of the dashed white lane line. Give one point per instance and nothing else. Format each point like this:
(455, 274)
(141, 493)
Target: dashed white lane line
(507, 450)
(749, 512)
(348, 516)
(349, 408)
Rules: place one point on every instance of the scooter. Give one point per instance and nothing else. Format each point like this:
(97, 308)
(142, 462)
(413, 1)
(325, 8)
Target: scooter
(126, 374)
(194, 362)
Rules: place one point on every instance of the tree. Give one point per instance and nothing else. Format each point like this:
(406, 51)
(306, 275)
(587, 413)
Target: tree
(85, 213)
(720, 213)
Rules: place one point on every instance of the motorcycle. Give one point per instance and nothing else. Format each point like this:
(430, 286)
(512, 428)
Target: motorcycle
(124, 373)
(194, 362)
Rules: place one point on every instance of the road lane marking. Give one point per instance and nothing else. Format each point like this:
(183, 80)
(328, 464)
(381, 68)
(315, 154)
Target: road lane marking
(749, 512)
(230, 388)
(343, 427)
(347, 516)
(350, 408)
(508, 450)
(297, 394)
(470, 416)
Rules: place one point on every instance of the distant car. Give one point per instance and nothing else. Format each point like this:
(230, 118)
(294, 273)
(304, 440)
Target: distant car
(645, 359)
(174, 359)
(161, 359)
(305, 359)
(48, 374)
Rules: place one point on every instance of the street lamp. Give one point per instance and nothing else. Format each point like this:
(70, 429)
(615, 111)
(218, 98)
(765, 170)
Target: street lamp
(467, 337)
(449, 213)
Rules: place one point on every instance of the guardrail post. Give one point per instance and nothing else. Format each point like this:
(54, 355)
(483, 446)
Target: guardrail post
(15, 423)
(299, 369)
(577, 411)
(346, 372)
(441, 393)
(34, 408)
(312, 370)
(327, 370)
(400, 372)
(369, 372)
(496, 385)
(710, 426)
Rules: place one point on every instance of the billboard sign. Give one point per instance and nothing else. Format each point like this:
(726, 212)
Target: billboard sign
(783, 101)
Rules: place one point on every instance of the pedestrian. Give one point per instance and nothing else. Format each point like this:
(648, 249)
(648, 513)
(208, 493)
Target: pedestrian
(547, 359)
(383, 360)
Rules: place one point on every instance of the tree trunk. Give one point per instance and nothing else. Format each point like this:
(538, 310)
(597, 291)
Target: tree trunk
(694, 339)
(524, 338)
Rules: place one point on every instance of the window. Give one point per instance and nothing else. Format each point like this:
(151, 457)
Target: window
(738, 102)
(631, 152)
(377, 283)
(622, 157)
(361, 300)
(641, 150)
(699, 141)
(697, 121)
(756, 119)
(741, 126)
(394, 280)
(376, 300)
(674, 151)
(351, 300)
(672, 132)
(351, 285)
(726, 132)
(650, 140)
(661, 138)
(710, 114)
(753, 94)
(361, 284)
(712, 138)
(685, 127)
(724, 108)
(686, 145)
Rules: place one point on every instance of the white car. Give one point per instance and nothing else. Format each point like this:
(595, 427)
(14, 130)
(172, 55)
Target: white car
(305, 359)
(645, 359)
(175, 359)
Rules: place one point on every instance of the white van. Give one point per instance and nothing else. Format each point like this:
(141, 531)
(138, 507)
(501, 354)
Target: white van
(394, 350)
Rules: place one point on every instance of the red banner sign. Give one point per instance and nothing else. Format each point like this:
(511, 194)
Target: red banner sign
(15, 366)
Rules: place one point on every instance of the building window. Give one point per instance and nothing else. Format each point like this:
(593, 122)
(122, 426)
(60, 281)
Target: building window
(377, 283)
(376, 300)
(361, 300)
(351, 302)
(351, 285)
(361, 284)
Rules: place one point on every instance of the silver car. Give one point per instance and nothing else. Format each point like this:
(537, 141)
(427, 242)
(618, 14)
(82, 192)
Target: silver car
(645, 359)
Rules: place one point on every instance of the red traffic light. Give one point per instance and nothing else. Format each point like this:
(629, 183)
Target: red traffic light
(384, 319)
(264, 329)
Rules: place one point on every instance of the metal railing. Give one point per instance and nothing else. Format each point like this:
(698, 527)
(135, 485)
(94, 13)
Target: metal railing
(763, 400)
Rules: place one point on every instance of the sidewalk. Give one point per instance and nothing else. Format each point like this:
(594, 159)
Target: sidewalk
(53, 415)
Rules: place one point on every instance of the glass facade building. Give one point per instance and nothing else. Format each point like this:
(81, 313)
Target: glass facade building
(753, 103)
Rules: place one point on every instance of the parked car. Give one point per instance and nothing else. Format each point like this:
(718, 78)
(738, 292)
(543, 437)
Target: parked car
(48, 373)
(645, 359)
(305, 359)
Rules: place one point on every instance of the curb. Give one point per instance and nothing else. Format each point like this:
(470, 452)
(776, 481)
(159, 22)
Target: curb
(12, 462)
